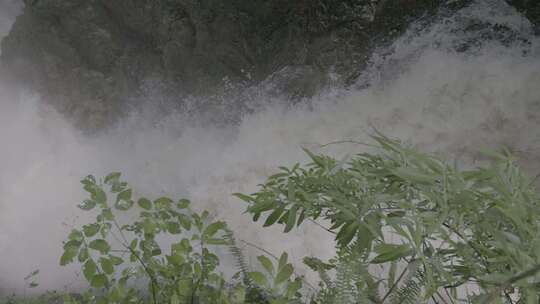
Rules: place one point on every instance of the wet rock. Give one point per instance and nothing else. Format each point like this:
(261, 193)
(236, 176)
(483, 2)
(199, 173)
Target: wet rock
(531, 9)
(92, 58)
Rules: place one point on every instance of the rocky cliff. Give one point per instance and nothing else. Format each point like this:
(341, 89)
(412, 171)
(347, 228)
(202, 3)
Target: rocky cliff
(531, 9)
(93, 59)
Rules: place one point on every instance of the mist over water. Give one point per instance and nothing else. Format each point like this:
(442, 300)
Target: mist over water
(8, 11)
(421, 90)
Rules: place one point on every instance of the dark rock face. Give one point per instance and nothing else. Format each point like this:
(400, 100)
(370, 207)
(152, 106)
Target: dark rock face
(92, 58)
(531, 9)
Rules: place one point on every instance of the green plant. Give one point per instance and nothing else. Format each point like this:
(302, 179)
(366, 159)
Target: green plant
(434, 228)
(115, 255)
(409, 228)
(48, 297)
(276, 280)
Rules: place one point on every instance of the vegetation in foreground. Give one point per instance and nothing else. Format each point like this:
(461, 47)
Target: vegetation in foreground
(409, 229)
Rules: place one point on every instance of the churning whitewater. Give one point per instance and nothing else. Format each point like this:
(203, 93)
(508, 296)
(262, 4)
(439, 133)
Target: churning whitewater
(424, 89)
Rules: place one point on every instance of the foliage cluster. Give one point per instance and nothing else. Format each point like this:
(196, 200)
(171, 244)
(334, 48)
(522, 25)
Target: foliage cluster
(409, 228)
(435, 229)
(115, 257)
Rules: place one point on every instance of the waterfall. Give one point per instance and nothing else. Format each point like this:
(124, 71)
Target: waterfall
(467, 81)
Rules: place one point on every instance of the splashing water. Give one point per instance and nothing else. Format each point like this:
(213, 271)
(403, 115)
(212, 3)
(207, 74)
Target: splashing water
(440, 87)
(8, 10)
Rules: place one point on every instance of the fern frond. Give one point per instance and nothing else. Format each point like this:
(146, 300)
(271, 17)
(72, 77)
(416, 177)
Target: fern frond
(411, 290)
(240, 261)
(351, 284)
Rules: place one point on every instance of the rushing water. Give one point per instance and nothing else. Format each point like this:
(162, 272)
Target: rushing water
(444, 87)
(8, 11)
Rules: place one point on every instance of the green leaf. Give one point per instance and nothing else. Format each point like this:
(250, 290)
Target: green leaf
(83, 255)
(258, 278)
(182, 204)
(89, 270)
(213, 228)
(217, 242)
(73, 244)
(91, 230)
(284, 274)
(184, 221)
(118, 187)
(197, 269)
(347, 233)
(364, 238)
(88, 180)
(204, 215)
(124, 205)
(116, 260)
(163, 203)
(414, 176)
(262, 206)
(278, 175)
(316, 264)
(113, 177)
(316, 159)
(183, 247)
(392, 273)
(494, 278)
(291, 219)
(301, 217)
(245, 198)
(293, 288)
(175, 259)
(106, 265)
(266, 263)
(98, 281)
(291, 191)
(107, 214)
(68, 255)
(75, 235)
(123, 200)
(100, 245)
(99, 196)
(145, 203)
(173, 228)
(493, 154)
(149, 227)
(391, 252)
(87, 205)
(185, 288)
(273, 217)
(32, 274)
(282, 260)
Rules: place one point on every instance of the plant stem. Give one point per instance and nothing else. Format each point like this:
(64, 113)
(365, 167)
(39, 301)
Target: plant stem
(469, 244)
(153, 281)
(442, 298)
(261, 249)
(328, 230)
(448, 295)
(396, 283)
